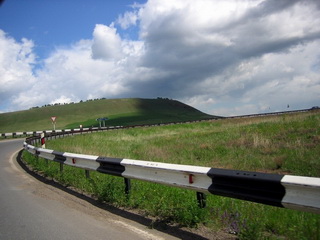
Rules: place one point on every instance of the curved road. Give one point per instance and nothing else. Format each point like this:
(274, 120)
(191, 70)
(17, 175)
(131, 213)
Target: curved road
(30, 209)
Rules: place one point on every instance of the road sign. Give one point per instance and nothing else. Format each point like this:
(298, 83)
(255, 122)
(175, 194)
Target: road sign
(102, 120)
(53, 119)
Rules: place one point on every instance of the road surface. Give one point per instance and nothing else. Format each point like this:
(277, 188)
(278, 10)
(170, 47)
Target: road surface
(31, 209)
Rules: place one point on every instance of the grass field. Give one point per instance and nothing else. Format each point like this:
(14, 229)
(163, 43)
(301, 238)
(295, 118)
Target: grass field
(287, 144)
(119, 111)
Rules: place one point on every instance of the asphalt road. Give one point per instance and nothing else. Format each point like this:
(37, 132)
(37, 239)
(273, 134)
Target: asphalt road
(30, 209)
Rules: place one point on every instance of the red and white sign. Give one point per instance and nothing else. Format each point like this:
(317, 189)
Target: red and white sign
(53, 119)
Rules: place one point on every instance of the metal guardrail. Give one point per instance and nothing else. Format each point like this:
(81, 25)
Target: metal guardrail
(92, 129)
(287, 191)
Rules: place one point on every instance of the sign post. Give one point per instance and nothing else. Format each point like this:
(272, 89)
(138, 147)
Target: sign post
(53, 119)
(103, 121)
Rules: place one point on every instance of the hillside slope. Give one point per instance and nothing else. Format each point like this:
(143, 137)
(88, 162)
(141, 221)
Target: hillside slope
(118, 111)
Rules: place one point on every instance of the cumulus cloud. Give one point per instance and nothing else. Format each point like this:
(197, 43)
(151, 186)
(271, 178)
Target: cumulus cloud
(223, 57)
(106, 43)
(219, 50)
(74, 75)
(16, 64)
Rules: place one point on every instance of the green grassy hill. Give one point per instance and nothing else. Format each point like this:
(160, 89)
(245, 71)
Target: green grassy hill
(118, 111)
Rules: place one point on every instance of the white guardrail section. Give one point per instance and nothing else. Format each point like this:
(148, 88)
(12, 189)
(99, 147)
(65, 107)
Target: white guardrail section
(294, 192)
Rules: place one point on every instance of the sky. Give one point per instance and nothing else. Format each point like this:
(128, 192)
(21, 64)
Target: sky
(223, 57)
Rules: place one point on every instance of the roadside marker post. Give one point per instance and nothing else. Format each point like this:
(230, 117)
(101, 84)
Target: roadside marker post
(43, 140)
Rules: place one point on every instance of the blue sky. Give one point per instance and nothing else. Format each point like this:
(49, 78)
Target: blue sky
(222, 57)
(58, 23)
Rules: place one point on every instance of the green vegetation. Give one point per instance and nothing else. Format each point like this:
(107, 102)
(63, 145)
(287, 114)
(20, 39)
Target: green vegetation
(119, 111)
(287, 144)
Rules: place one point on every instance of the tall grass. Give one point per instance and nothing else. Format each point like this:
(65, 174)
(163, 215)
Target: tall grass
(287, 144)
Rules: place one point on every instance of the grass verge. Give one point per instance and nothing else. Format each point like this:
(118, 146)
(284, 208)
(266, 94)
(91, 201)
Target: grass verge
(286, 144)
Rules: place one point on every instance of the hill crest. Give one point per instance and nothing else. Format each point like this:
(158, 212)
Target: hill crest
(125, 111)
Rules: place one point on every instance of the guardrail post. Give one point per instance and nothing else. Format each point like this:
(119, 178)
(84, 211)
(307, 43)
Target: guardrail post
(127, 189)
(61, 167)
(87, 173)
(37, 157)
(201, 197)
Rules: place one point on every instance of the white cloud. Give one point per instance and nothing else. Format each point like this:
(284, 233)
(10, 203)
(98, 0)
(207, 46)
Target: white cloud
(106, 43)
(223, 57)
(128, 19)
(74, 75)
(62, 99)
(16, 63)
